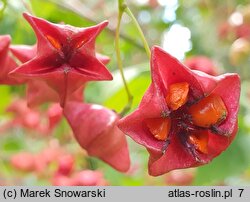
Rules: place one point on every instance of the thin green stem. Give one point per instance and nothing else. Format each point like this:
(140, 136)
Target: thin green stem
(120, 4)
(119, 63)
(145, 43)
(124, 8)
(91, 163)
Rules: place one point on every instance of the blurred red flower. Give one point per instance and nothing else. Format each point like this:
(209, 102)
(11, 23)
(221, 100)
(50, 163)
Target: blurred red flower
(65, 164)
(54, 114)
(201, 63)
(180, 177)
(82, 178)
(89, 178)
(33, 119)
(24, 116)
(23, 161)
(39, 162)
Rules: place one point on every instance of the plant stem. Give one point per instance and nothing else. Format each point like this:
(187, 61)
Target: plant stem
(145, 43)
(122, 7)
(119, 63)
(91, 163)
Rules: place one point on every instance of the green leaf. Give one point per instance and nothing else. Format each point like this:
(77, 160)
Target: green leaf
(56, 11)
(12, 144)
(5, 98)
(101, 92)
(137, 87)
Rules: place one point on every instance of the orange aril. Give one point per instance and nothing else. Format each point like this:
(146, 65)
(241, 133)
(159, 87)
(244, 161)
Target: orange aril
(79, 44)
(55, 43)
(159, 127)
(209, 111)
(199, 140)
(177, 95)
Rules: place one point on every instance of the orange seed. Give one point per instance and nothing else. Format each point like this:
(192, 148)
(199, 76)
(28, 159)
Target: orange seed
(79, 44)
(209, 111)
(159, 127)
(177, 95)
(200, 141)
(55, 43)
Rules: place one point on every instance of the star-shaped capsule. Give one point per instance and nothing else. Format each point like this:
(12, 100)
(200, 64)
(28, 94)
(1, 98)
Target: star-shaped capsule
(65, 58)
(38, 92)
(186, 117)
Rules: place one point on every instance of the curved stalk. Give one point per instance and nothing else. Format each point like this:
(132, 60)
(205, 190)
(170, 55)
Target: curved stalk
(122, 7)
(144, 41)
(119, 63)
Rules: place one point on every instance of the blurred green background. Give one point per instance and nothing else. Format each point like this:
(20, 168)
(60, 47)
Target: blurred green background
(219, 30)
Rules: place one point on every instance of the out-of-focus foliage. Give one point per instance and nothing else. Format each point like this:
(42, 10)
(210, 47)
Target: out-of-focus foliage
(213, 29)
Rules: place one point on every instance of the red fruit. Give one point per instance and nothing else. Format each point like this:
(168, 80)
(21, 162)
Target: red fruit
(24, 116)
(243, 31)
(65, 55)
(95, 130)
(40, 164)
(202, 113)
(23, 161)
(180, 177)
(7, 64)
(61, 180)
(38, 92)
(65, 164)
(202, 63)
(232, 32)
(153, 3)
(48, 155)
(52, 152)
(225, 31)
(89, 178)
(54, 115)
(24, 53)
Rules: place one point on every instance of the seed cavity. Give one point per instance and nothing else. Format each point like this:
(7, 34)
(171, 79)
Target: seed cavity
(191, 122)
(159, 127)
(54, 42)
